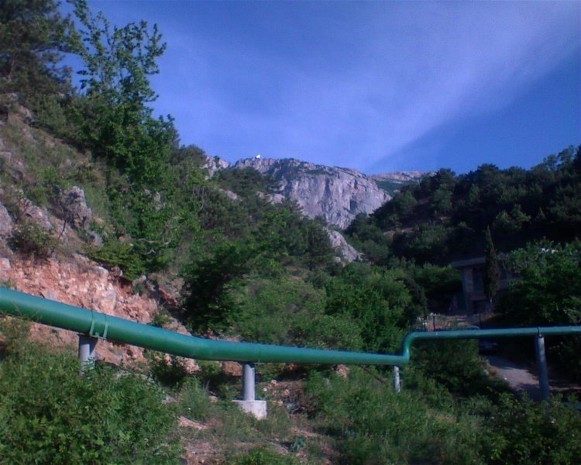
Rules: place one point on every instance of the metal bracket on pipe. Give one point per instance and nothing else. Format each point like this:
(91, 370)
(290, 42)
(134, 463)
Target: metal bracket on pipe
(94, 329)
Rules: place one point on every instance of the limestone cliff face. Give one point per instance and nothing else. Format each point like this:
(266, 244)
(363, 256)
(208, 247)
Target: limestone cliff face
(397, 178)
(336, 194)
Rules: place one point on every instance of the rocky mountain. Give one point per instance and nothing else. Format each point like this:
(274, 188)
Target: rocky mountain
(391, 182)
(337, 195)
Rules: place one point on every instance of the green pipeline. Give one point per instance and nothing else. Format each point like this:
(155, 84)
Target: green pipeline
(117, 329)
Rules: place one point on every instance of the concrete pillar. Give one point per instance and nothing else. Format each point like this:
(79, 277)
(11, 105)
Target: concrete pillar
(87, 346)
(249, 404)
(249, 381)
(396, 379)
(542, 366)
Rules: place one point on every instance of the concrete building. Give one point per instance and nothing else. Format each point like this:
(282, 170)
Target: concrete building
(473, 270)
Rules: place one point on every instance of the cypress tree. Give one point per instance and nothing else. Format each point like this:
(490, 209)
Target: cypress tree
(492, 270)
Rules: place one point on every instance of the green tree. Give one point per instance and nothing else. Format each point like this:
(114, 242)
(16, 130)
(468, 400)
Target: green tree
(288, 311)
(439, 284)
(378, 300)
(285, 235)
(428, 243)
(492, 270)
(117, 124)
(32, 36)
(209, 281)
(117, 121)
(443, 183)
(546, 292)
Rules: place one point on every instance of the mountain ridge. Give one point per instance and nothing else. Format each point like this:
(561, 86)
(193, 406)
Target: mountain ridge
(335, 194)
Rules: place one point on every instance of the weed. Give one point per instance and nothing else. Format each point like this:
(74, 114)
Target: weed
(194, 401)
(277, 425)
(161, 318)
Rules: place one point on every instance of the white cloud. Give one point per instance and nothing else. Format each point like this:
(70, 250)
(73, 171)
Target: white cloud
(370, 82)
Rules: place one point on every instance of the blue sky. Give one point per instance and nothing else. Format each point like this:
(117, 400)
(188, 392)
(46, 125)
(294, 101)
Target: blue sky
(377, 86)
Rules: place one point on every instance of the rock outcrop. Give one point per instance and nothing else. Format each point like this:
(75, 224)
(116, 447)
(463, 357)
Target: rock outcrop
(81, 282)
(342, 248)
(75, 207)
(214, 164)
(335, 194)
(398, 178)
(6, 223)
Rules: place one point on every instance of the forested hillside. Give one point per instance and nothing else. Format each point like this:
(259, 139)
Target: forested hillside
(88, 170)
(444, 217)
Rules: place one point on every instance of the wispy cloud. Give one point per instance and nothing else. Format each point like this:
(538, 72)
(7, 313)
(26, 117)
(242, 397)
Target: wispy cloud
(347, 83)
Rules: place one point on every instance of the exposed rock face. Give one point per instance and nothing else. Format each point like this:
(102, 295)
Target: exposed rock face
(400, 177)
(336, 194)
(36, 214)
(75, 207)
(214, 164)
(6, 223)
(342, 248)
(81, 282)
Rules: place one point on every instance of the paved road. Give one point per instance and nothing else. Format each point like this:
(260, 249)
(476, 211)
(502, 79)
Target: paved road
(519, 379)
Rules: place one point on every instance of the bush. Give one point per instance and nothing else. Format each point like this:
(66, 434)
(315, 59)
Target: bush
(31, 239)
(167, 370)
(528, 433)
(377, 300)
(116, 253)
(454, 365)
(288, 311)
(49, 414)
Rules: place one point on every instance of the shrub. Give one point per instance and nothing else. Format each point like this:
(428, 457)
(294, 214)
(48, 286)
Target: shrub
(528, 433)
(374, 425)
(377, 300)
(168, 370)
(121, 254)
(31, 239)
(290, 312)
(454, 365)
(51, 415)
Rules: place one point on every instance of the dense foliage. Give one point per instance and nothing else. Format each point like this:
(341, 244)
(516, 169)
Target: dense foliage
(49, 414)
(546, 291)
(33, 36)
(445, 216)
(528, 433)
